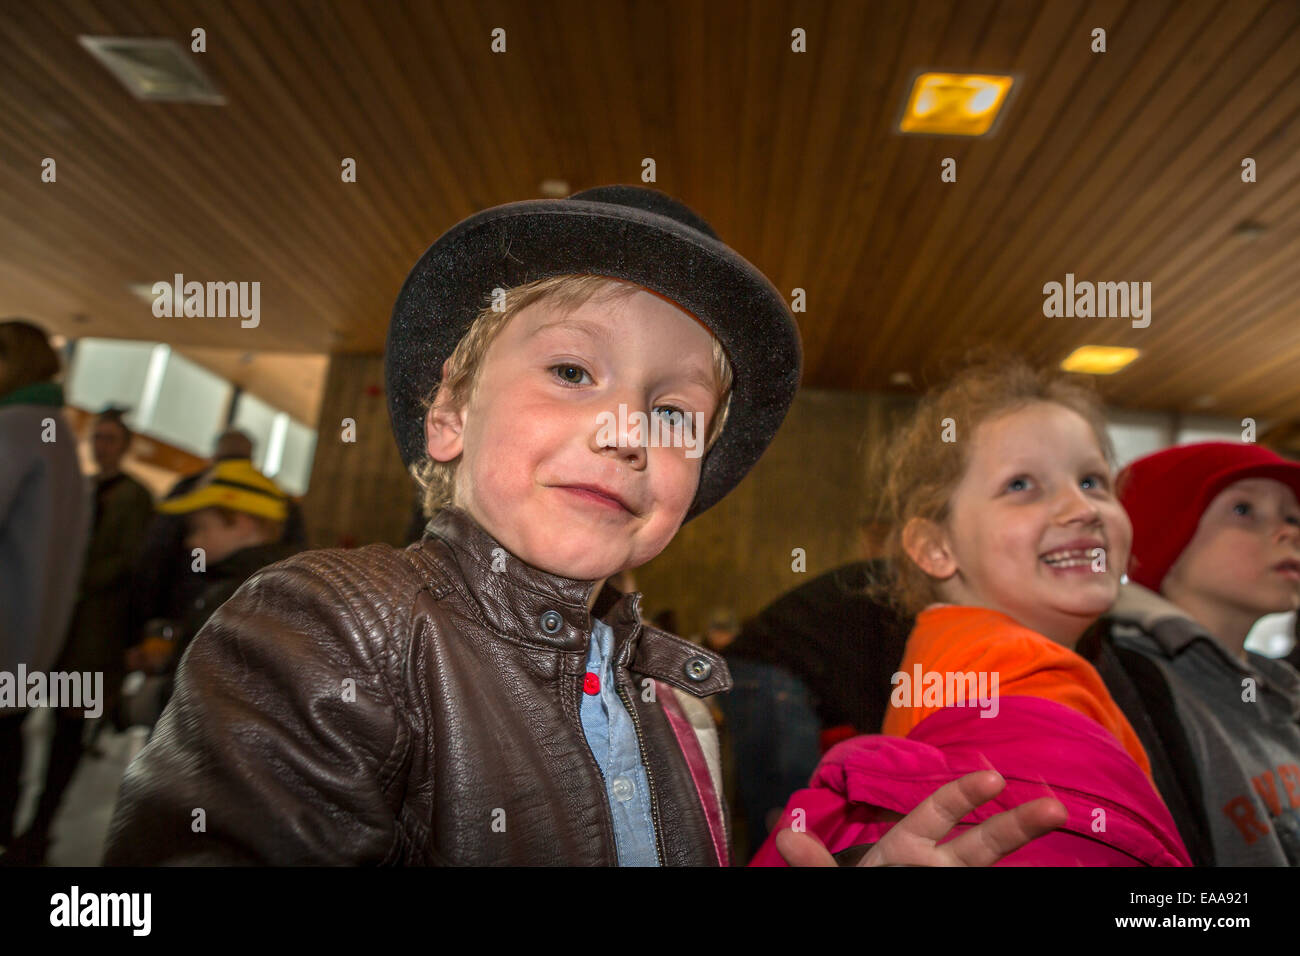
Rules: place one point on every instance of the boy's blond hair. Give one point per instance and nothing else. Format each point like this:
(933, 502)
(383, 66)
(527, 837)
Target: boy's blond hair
(437, 479)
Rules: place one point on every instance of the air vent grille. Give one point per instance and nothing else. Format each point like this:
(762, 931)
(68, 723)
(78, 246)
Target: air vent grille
(154, 69)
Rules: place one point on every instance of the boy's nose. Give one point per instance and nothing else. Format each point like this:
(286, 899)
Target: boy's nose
(625, 431)
(630, 447)
(1074, 505)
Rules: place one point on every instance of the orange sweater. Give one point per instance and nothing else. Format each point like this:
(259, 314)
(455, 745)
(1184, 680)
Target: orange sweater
(951, 639)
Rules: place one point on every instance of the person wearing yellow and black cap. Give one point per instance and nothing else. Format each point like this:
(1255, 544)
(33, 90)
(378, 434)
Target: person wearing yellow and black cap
(162, 584)
(234, 523)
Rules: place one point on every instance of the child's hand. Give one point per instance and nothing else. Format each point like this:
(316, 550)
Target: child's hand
(914, 840)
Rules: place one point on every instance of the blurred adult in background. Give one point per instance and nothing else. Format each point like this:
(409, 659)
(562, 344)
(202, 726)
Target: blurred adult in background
(666, 620)
(809, 670)
(44, 515)
(721, 630)
(97, 637)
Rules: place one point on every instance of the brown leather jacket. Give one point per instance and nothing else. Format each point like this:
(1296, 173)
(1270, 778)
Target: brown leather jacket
(381, 706)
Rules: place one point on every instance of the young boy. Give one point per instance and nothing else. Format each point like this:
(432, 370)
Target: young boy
(235, 516)
(465, 700)
(1216, 546)
(468, 700)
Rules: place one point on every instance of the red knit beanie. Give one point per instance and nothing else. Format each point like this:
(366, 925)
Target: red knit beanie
(1166, 493)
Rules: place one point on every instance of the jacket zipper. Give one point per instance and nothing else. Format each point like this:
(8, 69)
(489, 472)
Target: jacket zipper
(649, 775)
(640, 745)
(636, 725)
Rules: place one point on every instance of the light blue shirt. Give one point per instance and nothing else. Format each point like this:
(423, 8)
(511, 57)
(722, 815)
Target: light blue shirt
(612, 738)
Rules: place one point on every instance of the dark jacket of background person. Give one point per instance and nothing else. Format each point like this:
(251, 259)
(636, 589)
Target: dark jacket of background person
(97, 640)
(219, 583)
(819, 658)
(465, 712)
(44, 520)
(1142, 692)
(837, 639)
(164, 584)
(98, 634)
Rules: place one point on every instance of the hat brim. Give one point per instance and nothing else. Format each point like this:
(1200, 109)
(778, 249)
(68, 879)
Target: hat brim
(509, 245)
(1285, 472)
(212, 496)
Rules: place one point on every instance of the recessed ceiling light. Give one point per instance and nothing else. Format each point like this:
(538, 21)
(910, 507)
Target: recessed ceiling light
(900, 378)
(154, 69)
(1098, 359)
(555, 188)
(954, 104)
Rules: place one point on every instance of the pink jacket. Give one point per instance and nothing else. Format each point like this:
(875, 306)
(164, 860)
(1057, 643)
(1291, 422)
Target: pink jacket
(1039, 746)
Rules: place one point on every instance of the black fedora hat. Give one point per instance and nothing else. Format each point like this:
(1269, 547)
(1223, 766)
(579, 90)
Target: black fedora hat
(631, 233)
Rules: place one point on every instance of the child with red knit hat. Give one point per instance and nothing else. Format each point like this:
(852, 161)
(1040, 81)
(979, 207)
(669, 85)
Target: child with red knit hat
(1216, 546)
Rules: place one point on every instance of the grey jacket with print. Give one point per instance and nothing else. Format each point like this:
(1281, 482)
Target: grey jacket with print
(1241, 724)
(415, 707)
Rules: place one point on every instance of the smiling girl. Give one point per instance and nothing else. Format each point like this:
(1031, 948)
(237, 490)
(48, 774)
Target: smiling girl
(1008, 543)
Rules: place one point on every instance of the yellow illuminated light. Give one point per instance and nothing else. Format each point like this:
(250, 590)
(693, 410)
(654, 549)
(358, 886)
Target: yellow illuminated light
(958, 104)
(1098, 359)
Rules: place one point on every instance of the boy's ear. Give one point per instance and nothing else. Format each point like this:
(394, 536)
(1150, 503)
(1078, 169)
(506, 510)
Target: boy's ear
(444, 425)
(927, 545)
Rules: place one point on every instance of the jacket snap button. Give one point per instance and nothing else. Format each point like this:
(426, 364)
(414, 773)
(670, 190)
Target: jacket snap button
(552, 622)
(698, 668)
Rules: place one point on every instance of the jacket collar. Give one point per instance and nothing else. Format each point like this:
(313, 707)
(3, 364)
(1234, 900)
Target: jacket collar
(525, 603)
(514, 596)
(1173, 630)
(1171, 627)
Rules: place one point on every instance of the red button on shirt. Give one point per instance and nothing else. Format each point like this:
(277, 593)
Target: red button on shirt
(591, 684)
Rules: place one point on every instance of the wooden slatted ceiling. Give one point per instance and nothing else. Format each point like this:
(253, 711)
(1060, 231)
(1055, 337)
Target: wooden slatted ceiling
(1120, 166)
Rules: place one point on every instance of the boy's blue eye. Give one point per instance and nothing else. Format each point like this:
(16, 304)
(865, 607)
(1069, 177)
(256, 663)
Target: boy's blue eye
(564, 372)
(1014, 482)
(674, 418)
(1097, 481)
(1241, 508)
